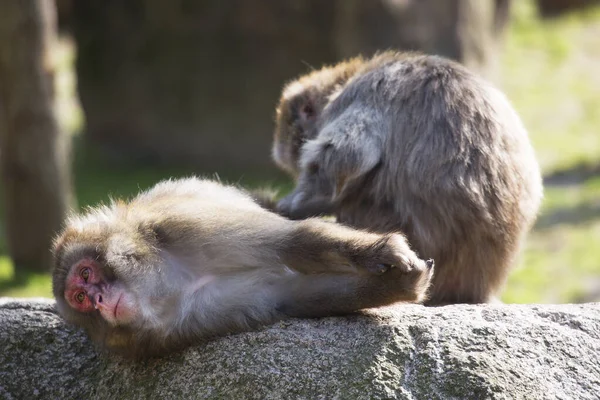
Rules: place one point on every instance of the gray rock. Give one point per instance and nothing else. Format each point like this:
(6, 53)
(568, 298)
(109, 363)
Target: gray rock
(405, 352)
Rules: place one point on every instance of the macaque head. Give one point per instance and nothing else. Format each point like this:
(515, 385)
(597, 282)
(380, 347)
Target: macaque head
(97, 284)
(300, 108)
(91, 287)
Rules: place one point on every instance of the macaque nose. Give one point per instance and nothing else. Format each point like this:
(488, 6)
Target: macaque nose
(97, 300)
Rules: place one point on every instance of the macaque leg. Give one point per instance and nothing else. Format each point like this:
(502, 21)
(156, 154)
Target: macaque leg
(340, 270)
(317, 246)
(321, 295)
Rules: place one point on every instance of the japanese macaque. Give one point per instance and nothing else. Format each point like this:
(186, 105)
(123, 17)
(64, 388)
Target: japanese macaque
(417, 144)
(192, 259)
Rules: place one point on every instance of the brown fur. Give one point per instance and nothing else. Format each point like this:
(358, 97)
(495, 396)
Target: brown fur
(203, 259)
(417, 144)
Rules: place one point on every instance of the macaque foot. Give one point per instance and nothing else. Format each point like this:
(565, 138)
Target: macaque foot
(390, 252)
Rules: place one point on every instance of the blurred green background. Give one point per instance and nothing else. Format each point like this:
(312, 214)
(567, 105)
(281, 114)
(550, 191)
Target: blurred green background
(550, 70)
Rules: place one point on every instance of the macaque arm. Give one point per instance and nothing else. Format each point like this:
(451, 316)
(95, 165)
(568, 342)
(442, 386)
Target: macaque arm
(327, 295)
(301, 205)
(340, 270)
(315, 246)
(344, 152)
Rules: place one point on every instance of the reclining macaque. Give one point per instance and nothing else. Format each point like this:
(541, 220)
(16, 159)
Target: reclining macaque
(191, 259)
(417, 144)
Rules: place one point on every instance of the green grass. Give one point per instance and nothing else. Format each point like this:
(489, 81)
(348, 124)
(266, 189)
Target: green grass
(561, 261)
(18, 283)
(550, 73)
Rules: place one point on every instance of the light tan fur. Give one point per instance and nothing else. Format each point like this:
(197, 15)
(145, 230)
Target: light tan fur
(199, 259)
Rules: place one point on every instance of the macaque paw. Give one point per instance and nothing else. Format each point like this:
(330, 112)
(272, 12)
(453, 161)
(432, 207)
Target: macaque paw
(287, 206)
(301, 205)
(393, 252)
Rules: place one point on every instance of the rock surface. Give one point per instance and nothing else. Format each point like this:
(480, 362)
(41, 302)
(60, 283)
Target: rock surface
(404, 352)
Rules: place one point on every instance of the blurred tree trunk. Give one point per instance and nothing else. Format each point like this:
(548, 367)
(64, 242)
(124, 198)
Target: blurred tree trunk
(468, 31)
(197, 81)
(34, 153)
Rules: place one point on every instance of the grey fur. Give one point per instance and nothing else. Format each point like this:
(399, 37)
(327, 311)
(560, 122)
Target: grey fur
(203, 259)
(416, 144)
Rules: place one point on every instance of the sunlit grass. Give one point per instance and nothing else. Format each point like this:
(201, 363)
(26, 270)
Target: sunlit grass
(550, 73)
(551, 76)
(561, 261)
(15, 283)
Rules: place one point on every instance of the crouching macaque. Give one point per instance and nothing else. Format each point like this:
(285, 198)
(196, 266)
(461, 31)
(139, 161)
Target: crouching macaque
(417, 144)
(190, 259)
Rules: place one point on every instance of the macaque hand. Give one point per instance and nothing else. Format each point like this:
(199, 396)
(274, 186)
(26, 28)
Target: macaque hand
(301, 205)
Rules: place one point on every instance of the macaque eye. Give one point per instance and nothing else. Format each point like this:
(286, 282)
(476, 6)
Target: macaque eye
(80, 297)
(85, 274)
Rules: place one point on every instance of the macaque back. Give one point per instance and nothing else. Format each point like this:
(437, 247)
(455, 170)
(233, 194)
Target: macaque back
(417, 144)
(192, 259)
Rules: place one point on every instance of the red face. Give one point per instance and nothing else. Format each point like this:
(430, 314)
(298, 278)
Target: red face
(87, 291)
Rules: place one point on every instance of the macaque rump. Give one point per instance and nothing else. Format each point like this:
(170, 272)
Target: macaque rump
(192, 259)
(418, 144)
